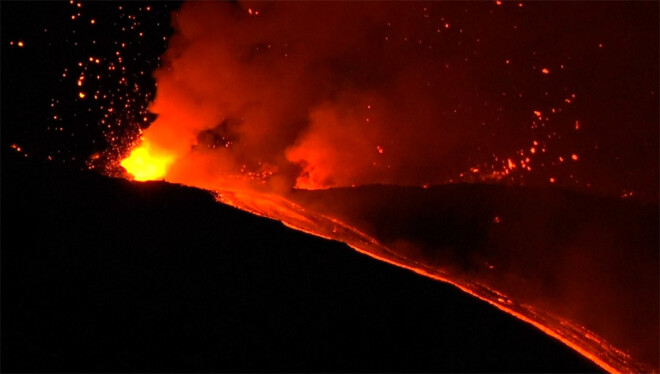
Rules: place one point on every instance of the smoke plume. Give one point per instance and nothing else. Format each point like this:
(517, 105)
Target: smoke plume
(315, 95)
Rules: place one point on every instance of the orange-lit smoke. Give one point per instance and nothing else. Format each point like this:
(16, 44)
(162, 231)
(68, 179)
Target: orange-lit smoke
(310, 95)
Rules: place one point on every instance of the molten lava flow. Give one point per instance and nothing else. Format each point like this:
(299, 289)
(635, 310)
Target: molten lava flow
(314, 218)
(144, 163)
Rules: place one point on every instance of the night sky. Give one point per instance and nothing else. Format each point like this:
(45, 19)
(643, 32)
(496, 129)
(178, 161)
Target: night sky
(43, 111)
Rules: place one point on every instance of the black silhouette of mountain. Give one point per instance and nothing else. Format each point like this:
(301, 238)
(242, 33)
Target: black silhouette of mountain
(102, 274)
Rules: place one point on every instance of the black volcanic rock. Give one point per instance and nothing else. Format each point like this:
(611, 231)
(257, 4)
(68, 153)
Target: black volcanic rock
(103, 274)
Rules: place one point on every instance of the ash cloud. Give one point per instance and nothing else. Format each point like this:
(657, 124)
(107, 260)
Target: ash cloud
(331, 94)
(310, 94)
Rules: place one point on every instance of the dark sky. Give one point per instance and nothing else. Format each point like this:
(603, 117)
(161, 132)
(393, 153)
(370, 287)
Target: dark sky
(42, 110)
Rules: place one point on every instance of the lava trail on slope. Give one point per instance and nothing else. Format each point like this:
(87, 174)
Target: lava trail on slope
(581, 268)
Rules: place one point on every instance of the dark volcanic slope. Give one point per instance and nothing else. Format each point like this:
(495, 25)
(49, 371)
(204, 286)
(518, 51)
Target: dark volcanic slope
(101, 274)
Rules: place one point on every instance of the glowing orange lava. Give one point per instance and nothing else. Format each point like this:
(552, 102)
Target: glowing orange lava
(146, 164)
(572, 334)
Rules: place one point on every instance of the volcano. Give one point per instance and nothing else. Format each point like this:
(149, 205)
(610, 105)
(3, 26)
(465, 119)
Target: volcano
(457, 164)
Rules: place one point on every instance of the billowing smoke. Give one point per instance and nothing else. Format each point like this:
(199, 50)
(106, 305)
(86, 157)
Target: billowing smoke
(317, 95)
(329, 94)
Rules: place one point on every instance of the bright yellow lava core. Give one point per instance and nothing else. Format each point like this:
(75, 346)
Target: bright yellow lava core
(143, 164)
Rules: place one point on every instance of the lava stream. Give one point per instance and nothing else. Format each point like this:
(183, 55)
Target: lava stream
(574, 335)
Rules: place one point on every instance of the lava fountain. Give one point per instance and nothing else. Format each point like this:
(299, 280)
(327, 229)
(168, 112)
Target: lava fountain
(370, 124)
